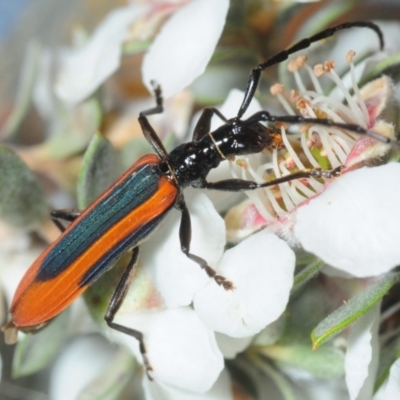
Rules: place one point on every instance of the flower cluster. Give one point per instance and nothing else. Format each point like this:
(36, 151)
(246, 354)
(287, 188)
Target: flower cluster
(270, 245)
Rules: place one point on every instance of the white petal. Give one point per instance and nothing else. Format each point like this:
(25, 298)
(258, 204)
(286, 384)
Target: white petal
(320, 389)
(182, 351)
(13, 266)
(87, 68)
(80, 362)
(359, 354)
(230, 346)
(392, 390)
(175, 276)
(221, 390)
(353, 224)
(43, 95)
(261, 268)
(391, 33)
(182, 50)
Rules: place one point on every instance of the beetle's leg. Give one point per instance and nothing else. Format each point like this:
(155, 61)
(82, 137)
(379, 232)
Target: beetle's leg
(265, 116)
(158, 109)
(239, 185)
(185, 235)
(68, 214)
(115, 303)
(148, 131)
(204, 123)
(283, 55)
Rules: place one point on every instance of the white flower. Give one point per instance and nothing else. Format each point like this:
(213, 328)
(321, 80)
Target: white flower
(391, 389)
(349, 222)
(16, 255)
(183, 37)
(185, 45)
(352, 224)
(190, 324)
(88, 67)
(83, 360)
(181, 340)
(362, 355)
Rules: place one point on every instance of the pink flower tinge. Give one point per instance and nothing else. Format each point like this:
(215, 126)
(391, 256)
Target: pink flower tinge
(349, 222)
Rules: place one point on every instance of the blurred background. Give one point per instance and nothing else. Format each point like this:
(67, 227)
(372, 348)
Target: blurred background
(254, 30)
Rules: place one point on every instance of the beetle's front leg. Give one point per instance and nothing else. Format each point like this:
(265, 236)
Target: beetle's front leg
(241, 185)
(185, 236)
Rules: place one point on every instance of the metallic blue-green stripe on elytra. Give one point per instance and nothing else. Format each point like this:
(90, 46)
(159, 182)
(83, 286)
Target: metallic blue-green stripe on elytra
(97, 269)
(126, 196)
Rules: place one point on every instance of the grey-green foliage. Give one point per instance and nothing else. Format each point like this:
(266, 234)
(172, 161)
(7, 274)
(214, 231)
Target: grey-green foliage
(22, 196)
(100, 168)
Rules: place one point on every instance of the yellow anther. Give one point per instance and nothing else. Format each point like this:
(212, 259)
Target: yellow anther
(350, 55)
(294, 95)
(297, 63)
(329, 65)
(276, 89)
(318, 70)
(281, 125)
(242, 164)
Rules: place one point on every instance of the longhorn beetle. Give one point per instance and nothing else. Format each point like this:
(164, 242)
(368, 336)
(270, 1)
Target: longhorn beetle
(125, 214)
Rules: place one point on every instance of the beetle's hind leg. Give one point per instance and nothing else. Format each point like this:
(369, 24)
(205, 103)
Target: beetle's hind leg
(115, 303)
(67, 214)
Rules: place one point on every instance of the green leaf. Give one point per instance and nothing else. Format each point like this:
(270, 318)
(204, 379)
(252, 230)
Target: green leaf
(282, 383)
(355, 308)
(307, 273)
(35, 351)
(133, 150)
(73, 129)
(111, 383)
(388, 66)
(304, 312)
(23, 199)
(100, 168)
(135, 47)
(326, 362)
(293, 348)
(98, 295)
(327, 16)
(387, 357)
(24, 95)
(243, 373)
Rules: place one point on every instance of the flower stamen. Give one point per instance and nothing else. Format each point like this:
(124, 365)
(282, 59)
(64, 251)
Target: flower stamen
(309, 145)
(277, 91)
(360, 100)
(355, 109)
